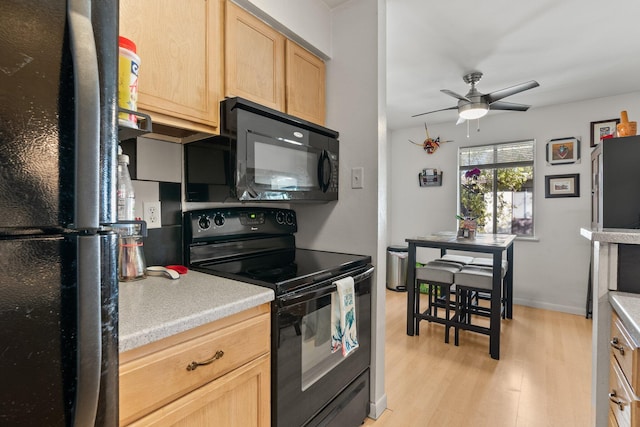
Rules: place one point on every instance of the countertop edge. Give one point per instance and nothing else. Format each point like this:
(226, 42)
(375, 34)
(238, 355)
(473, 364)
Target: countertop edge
(612, 235)
(627, 306)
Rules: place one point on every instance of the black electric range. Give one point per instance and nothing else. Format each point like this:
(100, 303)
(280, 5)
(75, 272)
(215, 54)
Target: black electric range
(257, 246)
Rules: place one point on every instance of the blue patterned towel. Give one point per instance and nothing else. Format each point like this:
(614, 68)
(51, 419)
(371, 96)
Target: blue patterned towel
(343, 317)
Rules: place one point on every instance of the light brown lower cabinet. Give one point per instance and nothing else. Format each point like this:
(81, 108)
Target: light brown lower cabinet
(624, 373)
(214, 375)
(612, 420)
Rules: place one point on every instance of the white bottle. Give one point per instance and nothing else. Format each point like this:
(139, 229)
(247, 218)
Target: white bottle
(125, 194)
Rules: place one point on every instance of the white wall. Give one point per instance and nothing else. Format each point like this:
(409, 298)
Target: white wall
(550, 272)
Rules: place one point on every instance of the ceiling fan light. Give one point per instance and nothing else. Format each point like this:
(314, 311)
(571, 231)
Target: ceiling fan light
(473, 111)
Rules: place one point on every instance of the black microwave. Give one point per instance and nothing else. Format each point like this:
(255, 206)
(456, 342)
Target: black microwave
(262, 155)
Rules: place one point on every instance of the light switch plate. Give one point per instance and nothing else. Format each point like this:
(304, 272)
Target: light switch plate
(357, 176)
(152, 214)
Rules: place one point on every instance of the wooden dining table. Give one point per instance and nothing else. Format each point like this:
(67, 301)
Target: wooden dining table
(494, 244)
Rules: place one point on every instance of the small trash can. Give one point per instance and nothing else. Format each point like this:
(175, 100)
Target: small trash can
(397, 257)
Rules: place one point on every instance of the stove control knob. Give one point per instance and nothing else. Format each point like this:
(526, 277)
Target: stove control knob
(280, 217)
(218, 220)
(290, 218)
(204, 222)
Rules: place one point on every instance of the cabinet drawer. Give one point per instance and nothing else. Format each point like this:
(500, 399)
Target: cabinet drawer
(625, 350)
(622, 401)
(162, 376)
(238, 399)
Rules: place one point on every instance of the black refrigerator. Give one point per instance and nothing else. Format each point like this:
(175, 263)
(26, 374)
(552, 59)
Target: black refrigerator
(58, 269)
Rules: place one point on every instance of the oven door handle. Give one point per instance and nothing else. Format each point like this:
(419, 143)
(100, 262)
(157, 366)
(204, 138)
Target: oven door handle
(311, 294)
(364, 276)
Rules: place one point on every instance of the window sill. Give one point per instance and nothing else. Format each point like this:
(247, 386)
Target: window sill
(527, 239)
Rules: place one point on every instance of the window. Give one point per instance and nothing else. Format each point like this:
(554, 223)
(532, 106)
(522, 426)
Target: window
(496, 186)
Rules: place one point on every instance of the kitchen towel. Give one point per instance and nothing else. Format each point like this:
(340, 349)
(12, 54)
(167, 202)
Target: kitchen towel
(343, 317)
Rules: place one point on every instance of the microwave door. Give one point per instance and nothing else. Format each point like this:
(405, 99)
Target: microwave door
(278, 169)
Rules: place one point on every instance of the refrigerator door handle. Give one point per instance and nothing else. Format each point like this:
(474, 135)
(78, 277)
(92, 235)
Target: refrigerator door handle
(87, 115)
(87, 205)
(89, 331)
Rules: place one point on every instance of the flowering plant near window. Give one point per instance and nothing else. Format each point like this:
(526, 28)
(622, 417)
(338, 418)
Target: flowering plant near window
(473, 188)
(472, 174)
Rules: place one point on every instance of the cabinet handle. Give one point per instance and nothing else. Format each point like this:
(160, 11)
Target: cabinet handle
(193, 365)
(615, 343)
(620, 403)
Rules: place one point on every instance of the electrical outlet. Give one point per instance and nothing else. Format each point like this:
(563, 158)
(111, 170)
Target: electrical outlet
(152, 214)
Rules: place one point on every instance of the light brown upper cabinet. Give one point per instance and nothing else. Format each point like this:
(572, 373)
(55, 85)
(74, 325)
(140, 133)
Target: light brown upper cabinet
(305, 90)
(254, 59)
(262, 65)
(180, 49)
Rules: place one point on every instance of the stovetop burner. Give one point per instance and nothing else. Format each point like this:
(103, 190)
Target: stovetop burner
(274, 274)
(257, 245)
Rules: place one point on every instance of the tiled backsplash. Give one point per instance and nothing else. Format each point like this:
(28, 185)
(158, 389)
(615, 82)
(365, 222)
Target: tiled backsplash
(156, 170)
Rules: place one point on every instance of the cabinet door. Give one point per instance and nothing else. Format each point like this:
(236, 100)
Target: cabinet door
(180, 49)
(149, 382)
(612, 419)
(305, 88)
(238, 399)
(254, 59)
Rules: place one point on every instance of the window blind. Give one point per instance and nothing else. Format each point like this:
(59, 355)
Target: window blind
(509, 154)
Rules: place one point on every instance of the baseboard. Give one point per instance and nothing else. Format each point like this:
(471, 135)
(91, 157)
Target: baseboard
(377, 408)
(549, 306)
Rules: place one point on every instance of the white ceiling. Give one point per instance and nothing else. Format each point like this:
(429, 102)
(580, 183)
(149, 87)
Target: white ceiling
(575, 49)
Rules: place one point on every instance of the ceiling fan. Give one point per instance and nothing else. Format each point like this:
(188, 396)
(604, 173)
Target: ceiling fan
(475, 104)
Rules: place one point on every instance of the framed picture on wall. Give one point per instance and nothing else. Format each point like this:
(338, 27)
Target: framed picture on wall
(562, 186)
(602, 130)
(563, 150)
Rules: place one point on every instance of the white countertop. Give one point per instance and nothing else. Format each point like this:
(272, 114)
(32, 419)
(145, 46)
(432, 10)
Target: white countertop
(627, 236)
(627, 306)
(158, 307)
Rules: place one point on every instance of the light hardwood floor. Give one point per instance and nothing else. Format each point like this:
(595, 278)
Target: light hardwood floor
(543, 377)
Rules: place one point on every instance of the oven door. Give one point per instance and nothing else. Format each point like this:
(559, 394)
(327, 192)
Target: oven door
(308, 376)
(285, 169)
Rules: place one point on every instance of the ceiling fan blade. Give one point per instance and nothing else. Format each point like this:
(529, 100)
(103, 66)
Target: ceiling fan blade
(455, 95)
(460, 120)
(503, 93)
(511, 106)
(435, 111)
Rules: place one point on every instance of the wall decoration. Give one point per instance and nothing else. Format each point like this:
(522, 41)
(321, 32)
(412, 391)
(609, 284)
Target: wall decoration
(563, 150)
(429, 145)
(603, 129)
(430, 177)
(562, 186)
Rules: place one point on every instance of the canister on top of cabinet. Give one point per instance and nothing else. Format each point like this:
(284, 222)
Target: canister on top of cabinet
(129, 64)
